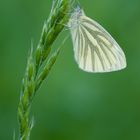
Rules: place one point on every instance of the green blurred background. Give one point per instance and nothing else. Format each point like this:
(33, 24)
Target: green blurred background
(72, 104)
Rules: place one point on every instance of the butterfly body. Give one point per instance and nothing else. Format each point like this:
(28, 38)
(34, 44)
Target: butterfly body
(94, 48)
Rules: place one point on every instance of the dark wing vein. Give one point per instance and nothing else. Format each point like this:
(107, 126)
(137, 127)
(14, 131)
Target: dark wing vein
(91, 45)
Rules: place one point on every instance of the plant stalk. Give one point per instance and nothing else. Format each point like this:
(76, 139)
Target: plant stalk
(39, 66)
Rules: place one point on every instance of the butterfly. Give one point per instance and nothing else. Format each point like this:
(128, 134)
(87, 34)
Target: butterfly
(95, 50)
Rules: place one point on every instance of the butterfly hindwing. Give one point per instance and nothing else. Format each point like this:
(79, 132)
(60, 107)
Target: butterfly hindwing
(94, 48)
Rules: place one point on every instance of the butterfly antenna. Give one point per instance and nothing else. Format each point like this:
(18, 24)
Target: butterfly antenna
(75, 3)
(72, 2)
(78, 3)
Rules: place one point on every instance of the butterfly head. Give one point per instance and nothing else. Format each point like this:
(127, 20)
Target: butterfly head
(78, 11)
(75, 17)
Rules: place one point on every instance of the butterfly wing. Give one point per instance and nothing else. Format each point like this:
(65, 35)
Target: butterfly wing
(94, 48)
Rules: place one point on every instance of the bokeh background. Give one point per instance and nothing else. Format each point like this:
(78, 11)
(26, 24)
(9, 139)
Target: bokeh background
(71, 104)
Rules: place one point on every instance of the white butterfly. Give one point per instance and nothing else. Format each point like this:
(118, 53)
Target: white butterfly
(94, 48)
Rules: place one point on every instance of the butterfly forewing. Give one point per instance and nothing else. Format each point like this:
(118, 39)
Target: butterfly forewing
(94, 48)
